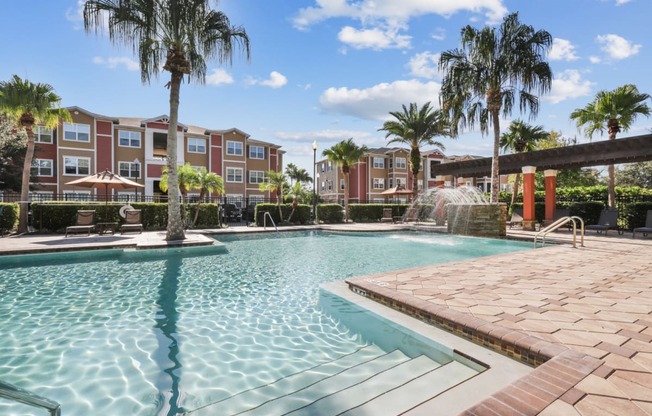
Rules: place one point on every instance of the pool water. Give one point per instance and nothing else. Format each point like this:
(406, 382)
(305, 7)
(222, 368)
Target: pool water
(166, 331)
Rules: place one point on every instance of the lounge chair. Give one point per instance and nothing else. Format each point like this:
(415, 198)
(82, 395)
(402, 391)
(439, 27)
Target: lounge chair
(132, 221)
(387, 215)
(648, 225)
(85, 222)
(608, 221)
(517, 218)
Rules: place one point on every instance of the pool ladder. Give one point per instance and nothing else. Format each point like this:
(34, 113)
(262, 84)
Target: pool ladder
(11, 392)
(267, 214)
(560, 223)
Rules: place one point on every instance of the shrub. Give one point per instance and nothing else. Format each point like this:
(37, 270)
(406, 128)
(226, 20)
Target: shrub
(301, 214)
(636, 214)
(330, 213)
(9, 217)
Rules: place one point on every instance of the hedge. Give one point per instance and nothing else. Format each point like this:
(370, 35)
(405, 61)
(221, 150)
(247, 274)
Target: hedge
(330, 213)
(9, 217)
(301, 214)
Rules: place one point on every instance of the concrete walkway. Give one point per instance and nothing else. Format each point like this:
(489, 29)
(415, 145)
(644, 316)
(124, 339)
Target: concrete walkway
(583, 316)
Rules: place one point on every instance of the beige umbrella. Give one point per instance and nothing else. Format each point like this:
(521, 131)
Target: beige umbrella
(106, 180)
(397, 190)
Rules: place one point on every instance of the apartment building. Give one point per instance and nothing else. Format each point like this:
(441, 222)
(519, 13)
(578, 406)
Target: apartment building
(136, 148)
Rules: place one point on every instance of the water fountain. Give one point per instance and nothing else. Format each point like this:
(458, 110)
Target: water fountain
(465, 210)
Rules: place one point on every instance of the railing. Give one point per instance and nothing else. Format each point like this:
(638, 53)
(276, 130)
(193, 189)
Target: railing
(11, 392)
(560, 223)
(267, 214)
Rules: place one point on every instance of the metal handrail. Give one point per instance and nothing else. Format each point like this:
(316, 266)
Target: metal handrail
(559, 223)
(267, 214)
(15, 393)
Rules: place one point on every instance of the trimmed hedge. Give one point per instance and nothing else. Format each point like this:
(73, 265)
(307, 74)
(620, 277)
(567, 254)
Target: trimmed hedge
(636, 214)
(330, 213)
(588, 211)
(9, 217)
(301, 214)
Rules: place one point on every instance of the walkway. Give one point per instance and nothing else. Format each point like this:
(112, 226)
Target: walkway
(584, 315)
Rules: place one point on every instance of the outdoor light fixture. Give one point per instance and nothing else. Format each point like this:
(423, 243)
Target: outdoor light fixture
(314, 181)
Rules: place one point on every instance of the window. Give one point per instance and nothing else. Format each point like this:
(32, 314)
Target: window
(420, 184)
(42, 167)
(76, 132)
(234, 148)
(160, 144)
(128, 138)
(42, 134)
(234, 174)
(379, 183)
(379, 163)
(196, 145)
(41, 196)
(341, 183)
(391, 182)
(400, 182)
(129, 169)
(76, 165)
(323, 166)
(401, 163)
(330, 166)
(322, 185)
(256, 199)
(77, 195)
(391, 163)
(329, 185)
(256, 176)
(256, 152)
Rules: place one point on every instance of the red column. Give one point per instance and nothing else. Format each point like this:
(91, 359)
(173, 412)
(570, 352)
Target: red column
(529, 220)
(551, 194)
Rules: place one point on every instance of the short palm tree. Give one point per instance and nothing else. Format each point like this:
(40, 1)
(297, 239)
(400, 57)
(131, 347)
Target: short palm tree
(178, 36)
(187, 179)
(521, 137)
(207, 182)
(488, 73)
(614, 111)
(415, 128)
(291, 171)
(275, 182)
(28, 104)
(345, 154)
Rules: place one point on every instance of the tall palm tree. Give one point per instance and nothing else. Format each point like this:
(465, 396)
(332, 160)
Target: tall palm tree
(486, 75)
(180, 34)
(521, 137)
(614, 111)
(275, 182)
(416, 127)
(207, 182)
(345, 154)
(28, 104)
(291, 171)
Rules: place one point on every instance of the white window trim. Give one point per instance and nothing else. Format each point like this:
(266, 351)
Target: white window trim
(76, 193)
(380, 165)
(401, 165)
(251, 147)
(228, 150)
(234, 175)
(131, 168)
(196, 139)
(37, 134)
(76, 125)
(140, 139)
(259, 174)
(342, 184)
(378, 183)
(42, 195)
(36, 160)
(77, 158)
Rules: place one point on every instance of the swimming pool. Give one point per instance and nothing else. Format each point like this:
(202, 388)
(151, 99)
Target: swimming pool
(159, 332)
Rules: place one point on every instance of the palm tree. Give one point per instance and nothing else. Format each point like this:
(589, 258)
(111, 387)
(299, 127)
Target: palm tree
(187, 179)
(275, 182)
(207, 182)
(616, 111)
(486, 75)
(415, 128)
(345, 154)
(28, 104)
(521, 137)
(180, 34)
(291, 171)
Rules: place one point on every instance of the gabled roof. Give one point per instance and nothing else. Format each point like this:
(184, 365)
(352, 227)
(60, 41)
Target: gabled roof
(95, 115)
(162, 119)
(226, 131)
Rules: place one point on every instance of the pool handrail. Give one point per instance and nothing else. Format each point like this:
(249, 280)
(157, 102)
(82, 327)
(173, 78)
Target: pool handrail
(267, 214)
(559, 223)
(15, 393)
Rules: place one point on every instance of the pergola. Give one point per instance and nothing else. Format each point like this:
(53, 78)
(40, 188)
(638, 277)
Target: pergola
(607, 152)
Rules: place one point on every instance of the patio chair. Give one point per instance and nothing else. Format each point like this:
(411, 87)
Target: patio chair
(85, 222)
(132, 221)
(608, 221)
(387, 215)
(517, 218)
(648, 225)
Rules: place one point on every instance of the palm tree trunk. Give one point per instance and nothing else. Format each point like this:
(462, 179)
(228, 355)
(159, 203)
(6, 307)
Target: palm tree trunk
(517, 181)
(201, 198)
(24, 187)
(175, 224)
(414, 160)
(495, 168)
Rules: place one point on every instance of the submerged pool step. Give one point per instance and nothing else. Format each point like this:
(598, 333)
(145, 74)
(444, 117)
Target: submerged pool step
(258, 396)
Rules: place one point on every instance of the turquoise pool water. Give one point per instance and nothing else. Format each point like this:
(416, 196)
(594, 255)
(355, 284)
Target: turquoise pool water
(159, 332)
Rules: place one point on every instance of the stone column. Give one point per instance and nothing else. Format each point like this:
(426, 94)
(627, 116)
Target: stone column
(529, 220)
(551, 194)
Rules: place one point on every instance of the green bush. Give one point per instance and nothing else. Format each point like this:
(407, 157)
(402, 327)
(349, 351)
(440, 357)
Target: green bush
(301, 214)
(9, 217)
(330, 213)
(636, 214)
(209, 216)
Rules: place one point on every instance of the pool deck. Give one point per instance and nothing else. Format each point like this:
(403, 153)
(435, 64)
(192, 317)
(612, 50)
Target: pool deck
(583, 315)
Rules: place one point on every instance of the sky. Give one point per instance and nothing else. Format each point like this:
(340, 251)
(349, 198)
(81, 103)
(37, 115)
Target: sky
(329, 70)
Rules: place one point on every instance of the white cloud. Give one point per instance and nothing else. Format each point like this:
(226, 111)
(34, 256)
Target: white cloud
(76, 14)
(387, 10)
(595, 59)
(321, 136)
(621, 2)
(425, 65)
(376, 102)
(617, 47)
(218, 77)
(376, 38)
(275, 80)
(562, 50)
(113, 62)
(440, 34)
(568, 84)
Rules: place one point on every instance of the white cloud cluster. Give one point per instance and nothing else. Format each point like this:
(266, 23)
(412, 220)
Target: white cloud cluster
(617, 47)
(425, 65)
(621, 2)
(218, 77)
(113, 62)
(275, 80)
(376, 102)
(562, 50)
(568, 84)
(376, 38)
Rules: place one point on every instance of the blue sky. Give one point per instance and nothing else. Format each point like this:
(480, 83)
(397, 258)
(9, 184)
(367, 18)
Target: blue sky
(327, 70)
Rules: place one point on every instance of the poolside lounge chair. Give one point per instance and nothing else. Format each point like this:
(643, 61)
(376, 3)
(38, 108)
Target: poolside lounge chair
(387, 215)
(648, 225)
(132, 221)
(85, 222)
(608, 221)
(517, 218)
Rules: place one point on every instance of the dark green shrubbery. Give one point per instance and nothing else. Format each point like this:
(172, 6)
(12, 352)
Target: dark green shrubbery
(330, 213)
(636, 214)
(588, 211)
(301, 214)
(9, 217)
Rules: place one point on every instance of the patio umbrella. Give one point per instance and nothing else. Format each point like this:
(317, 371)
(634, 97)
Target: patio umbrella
(397, 190)
(106, 180)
